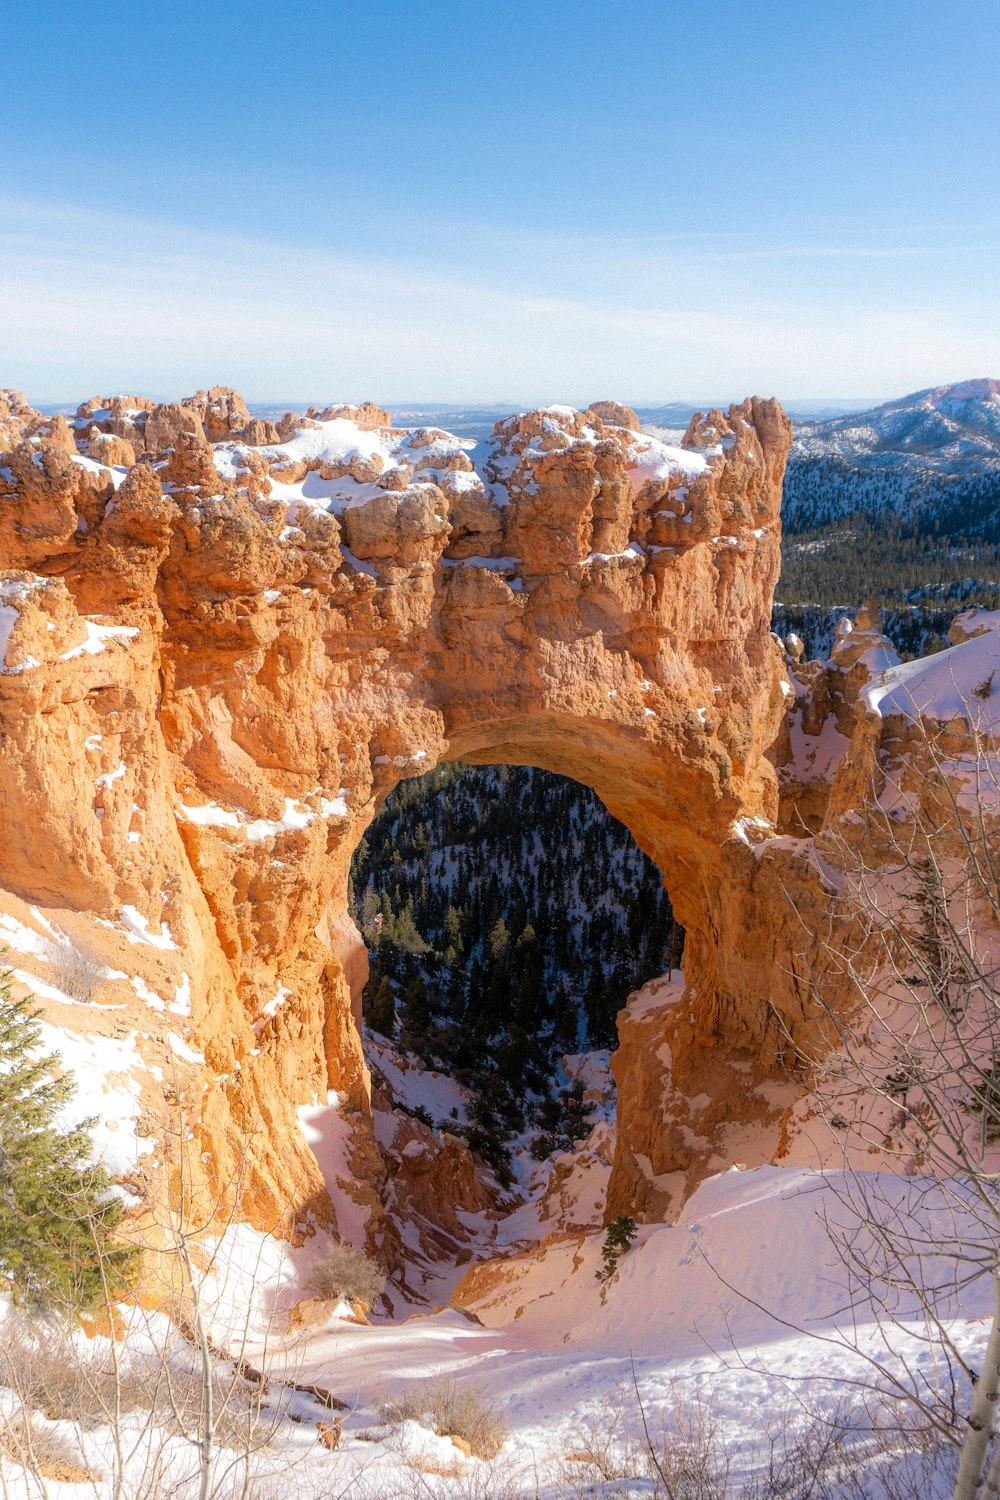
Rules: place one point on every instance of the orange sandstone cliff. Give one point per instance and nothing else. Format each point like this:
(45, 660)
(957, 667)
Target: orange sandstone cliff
(224, 641)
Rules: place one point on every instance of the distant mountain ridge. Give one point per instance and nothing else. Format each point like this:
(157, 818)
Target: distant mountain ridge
(949, 427)
(901, 501)
(929, 461)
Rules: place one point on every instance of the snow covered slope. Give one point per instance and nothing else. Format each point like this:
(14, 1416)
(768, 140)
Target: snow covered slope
(738, 1315)
(931, 458)
(949, 427)
(957, 684)
(751, 1254)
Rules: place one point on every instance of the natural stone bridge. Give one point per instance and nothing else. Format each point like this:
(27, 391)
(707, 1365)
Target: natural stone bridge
(225, 642)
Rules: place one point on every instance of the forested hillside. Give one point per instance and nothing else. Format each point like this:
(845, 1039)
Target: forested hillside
(920, 581)
(900, 503)
(926, 502)
(508, 916)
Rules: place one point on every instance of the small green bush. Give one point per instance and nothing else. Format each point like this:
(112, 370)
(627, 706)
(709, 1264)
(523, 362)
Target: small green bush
(617, 1242)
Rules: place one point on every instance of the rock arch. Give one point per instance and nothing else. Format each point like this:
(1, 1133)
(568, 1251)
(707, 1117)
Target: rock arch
(218, 661)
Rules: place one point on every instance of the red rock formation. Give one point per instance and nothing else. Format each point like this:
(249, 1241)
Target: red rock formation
(222, 411)
(17, 418)
(613, 414)
(266, 641)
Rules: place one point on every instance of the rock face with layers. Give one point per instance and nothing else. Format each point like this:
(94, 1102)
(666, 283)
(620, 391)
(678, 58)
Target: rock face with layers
(218, 660)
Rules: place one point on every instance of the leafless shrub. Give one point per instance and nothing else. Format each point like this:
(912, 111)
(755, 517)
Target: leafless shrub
(75, 970)
(689, 1461)
(452, 1411)
(908, 1458)
(42, 1449)
(847, 1453)
(245, 1414)
(801, 1453)
(686, 1459)
(342, 1271)
(66, 1380)
(88, 1383)
(494, 1481)
(602, 1448)
(507, 1478)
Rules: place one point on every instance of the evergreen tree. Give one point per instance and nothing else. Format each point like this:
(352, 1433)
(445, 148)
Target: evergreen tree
(601, 1009)
(58, 1214)
(369, 916)
(617, 1242)
(457, 993)
(498, 939)
(416, 1014)
(451, 933)
(380, 1009)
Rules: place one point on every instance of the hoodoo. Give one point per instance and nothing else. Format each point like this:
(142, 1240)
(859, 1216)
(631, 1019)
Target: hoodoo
(224, 641)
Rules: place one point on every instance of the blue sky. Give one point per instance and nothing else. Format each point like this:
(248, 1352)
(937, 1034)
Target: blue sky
(510, 201)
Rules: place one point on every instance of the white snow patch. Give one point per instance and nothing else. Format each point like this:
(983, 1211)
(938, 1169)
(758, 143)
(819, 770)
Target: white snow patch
(814, 755)
(327, 1132)
(295, 816)
(357, 564)
(181, 1003)
(14, 934)
(656, 460)
(210, 815)
(116, 473)
(137, 929)
(110, 777)
(180, 1048)
(273, 1006)
(104, 1070)
(142, 989)
(632, 550)
(13, 593)
(98, 637)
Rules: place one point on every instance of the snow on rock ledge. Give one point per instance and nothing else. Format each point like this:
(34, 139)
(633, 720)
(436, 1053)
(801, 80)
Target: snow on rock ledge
(231, 649)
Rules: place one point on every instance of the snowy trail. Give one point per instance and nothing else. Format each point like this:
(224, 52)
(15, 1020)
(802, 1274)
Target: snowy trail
(558, 1354)
(556, 1345)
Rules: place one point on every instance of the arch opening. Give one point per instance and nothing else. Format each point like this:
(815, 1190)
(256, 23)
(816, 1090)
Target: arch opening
(508, 917)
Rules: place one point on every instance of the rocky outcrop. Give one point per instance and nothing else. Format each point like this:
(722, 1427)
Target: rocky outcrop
(218, 660)
(816, 733)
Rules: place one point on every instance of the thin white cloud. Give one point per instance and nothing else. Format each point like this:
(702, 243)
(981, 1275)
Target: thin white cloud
(105, 302)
